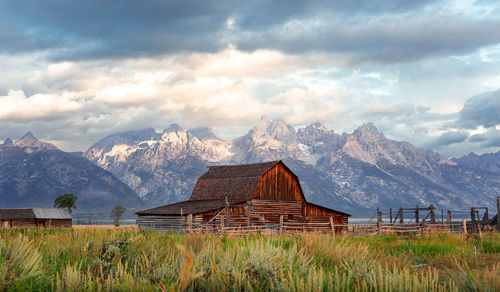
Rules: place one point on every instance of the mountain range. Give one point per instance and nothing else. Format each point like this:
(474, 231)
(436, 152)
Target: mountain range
(34, 173)
(353, 172)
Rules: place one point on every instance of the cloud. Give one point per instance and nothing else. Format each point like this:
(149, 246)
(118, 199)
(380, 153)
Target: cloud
(481, 110)
(447, 139)
(17, 107)
(354, 32)
(394, 110)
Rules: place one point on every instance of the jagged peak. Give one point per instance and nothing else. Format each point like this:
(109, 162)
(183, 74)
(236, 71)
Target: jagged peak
(203, 133)
(8, 142)
(173, 128)
(30, 141)
(28, 136)
(367, 129)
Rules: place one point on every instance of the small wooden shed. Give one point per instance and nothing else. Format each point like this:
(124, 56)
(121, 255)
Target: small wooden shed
(243, 195)
(36, 217)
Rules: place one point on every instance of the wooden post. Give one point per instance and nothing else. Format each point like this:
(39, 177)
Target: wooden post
(281, 224)
(449, 220)
(379, 220)
(222, 224)
(422, 230)
(332, 226)
(498, 214)
(486, 215)
(227, 212)
(390, 215)
(464, 226)
(401, 219)
(190, 223)
(478, 226)
(473, 219)
(442, 216)
(249, 222)
(433, 214)
(416, 215)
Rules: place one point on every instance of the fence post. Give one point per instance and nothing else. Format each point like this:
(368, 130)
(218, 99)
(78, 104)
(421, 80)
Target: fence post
(473, 219)
(401, 219)
(433, 214)
(416, 215)
(190, 223)
(332, 226)
(442, 216)
(422, 231)
(281, 224)
(227, 212)
(498, 213)
(390, 215)
(486, 215)
(464, 224)
(222, 224)
(379, 220)
(249, 221)
(478, 225)
(449, 220)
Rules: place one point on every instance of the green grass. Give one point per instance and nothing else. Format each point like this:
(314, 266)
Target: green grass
(129, 260)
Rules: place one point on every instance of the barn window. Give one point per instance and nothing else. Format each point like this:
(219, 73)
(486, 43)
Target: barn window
(290, 217)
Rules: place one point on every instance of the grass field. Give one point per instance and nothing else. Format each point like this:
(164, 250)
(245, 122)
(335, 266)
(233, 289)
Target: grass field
(128, 259)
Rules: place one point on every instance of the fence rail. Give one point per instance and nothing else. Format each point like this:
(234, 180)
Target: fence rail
(186, 224)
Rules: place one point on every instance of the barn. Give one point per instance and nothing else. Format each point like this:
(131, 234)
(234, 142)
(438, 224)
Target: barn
(36, 217)
(250, 194)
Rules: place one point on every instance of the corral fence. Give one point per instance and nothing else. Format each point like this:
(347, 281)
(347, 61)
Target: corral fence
(405, 221)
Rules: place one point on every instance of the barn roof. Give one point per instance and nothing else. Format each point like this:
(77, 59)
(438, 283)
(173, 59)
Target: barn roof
(187, 207)
(237, 182)
(52, 213)
(35, 213)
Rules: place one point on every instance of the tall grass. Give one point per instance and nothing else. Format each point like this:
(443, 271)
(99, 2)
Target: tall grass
(127, 259)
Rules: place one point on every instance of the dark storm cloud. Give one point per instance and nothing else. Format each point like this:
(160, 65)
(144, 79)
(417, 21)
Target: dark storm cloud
(366, 31)
(481, 110)
(448, 138)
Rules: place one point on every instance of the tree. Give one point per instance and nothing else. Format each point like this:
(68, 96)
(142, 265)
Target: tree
(117, 213)
(67, 200)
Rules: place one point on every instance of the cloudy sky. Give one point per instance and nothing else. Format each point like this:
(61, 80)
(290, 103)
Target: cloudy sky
(427, 72)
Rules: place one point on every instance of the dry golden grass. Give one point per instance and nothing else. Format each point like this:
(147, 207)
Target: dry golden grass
(109, 258)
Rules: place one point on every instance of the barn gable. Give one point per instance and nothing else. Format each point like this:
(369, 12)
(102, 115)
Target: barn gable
(270, 189)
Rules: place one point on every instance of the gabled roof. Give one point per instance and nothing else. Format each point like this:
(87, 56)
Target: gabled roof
(237, 182)
(35, 213)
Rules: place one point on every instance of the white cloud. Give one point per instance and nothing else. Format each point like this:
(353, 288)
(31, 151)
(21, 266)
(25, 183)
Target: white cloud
(16, 106)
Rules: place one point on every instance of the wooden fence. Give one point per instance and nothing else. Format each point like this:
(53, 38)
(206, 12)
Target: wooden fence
(187, 224)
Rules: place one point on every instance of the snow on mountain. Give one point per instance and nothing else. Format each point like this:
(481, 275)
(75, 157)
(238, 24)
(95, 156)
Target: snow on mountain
(353, 172)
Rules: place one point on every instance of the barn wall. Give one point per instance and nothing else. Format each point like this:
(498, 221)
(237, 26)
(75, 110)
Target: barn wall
(23, 223)
(278, 184)
(56, 223)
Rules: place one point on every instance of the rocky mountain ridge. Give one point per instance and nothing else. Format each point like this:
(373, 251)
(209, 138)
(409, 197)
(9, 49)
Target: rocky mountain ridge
(33, 173)
(351, 172)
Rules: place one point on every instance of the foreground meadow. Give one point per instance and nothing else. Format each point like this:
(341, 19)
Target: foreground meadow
(128, 259)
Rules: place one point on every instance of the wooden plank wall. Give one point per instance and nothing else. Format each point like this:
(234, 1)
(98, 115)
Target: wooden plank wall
(23, 223)
(278, 184)
(162, 223)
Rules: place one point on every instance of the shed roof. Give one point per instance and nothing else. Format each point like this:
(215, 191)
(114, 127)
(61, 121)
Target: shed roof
(237, 182)
(187, 207)
(52, 213)
(35, 213)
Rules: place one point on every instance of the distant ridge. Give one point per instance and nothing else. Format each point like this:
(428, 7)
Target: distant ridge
(34, 173)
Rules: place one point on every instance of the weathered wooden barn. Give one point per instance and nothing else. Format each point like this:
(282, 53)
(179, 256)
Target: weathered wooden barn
(36, 217)
(242, 195)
